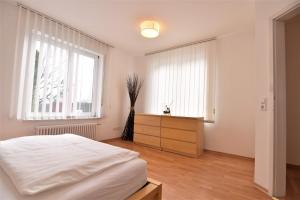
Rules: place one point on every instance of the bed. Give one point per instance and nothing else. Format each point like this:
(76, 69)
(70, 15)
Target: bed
(44, 168)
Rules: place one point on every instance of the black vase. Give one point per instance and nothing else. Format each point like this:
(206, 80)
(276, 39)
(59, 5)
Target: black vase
(129, 127)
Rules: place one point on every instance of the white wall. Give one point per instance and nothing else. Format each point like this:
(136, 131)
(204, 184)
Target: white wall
(116, 99)
(1, 60)
(233, 130)
(265, 12)
(117, 68)
(292, 45)
(140, 65)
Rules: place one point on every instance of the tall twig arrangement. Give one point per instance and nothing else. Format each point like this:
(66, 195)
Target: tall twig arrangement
(133, 85)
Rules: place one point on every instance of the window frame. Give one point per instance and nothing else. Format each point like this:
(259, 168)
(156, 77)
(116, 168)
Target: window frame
(97, 90)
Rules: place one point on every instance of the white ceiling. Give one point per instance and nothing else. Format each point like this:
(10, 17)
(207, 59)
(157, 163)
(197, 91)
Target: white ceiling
(117, 21)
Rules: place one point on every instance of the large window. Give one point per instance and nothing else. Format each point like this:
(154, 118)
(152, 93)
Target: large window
(182, 79)
(61, 70)
(65, 81)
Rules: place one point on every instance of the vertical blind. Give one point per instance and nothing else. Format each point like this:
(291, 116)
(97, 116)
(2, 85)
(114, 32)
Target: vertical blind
(58, 69)
(182, 79)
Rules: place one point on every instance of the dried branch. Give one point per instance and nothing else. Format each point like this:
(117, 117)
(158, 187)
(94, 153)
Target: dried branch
(134, 86)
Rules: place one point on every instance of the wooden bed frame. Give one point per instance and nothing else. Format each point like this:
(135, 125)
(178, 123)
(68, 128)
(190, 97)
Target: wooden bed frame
(151, 191)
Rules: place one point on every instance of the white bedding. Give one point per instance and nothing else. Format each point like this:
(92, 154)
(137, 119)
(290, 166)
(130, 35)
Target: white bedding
(116, 183)
(39, 163)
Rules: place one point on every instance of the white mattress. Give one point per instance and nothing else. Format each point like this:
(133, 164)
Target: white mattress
(39, 163)
(116, 183)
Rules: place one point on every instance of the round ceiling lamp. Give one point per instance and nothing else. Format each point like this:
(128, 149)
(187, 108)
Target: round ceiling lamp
(150, 29)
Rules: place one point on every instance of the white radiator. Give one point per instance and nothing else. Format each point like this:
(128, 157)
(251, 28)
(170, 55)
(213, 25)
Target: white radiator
(86, 130)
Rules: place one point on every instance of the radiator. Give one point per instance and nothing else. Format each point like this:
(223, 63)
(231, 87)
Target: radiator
(86, 130)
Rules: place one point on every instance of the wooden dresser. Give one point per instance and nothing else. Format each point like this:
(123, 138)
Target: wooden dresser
(183, 135)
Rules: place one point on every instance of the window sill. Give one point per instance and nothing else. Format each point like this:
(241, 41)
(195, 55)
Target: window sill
(62, 118)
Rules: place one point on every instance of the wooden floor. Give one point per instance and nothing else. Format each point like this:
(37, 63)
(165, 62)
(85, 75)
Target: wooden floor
(213, 176)
(292, 183)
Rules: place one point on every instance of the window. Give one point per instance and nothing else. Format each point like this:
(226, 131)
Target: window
(182, 79)
(58, 70)
(65, 81)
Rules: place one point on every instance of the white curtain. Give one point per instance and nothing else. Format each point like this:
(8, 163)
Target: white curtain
(48, 66)
(182, 79)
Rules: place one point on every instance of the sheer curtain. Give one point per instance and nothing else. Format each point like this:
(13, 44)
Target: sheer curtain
(48, 69)
(182, 79)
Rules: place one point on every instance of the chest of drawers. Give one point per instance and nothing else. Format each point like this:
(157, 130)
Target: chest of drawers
(182, 135)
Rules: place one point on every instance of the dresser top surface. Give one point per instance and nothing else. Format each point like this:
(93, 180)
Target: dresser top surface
(173, 116)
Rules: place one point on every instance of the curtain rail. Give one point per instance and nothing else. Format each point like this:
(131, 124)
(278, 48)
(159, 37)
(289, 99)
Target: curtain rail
(180, 46)
(63, 24)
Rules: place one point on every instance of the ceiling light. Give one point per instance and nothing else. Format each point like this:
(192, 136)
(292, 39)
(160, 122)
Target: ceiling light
(149, 29)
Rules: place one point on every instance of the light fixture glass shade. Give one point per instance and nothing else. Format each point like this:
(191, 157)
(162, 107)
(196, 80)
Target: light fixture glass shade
(149, 29)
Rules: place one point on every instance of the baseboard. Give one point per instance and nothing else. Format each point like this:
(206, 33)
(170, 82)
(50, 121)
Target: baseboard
(261, 188)
(228, 154)
(111, 139)
(292, 166)
(205, 150)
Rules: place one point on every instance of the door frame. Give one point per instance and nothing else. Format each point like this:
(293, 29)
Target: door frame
(279, 82)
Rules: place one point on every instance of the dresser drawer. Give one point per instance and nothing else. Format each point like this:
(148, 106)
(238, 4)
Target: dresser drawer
(177, 134)
(147, 130)
(151, 120)
(180, 123)
(147, 139)
(179, 147)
